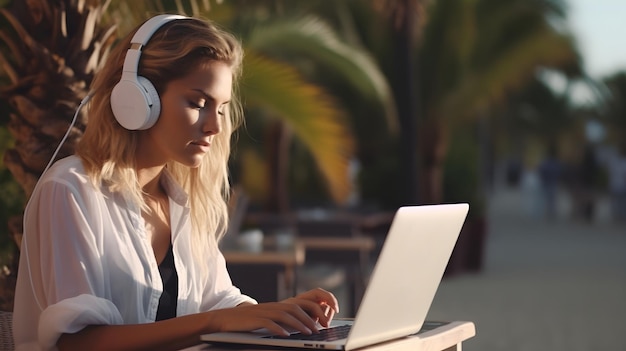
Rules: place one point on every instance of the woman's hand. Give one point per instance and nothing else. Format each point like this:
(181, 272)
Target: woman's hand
(319, 304)
(301, 313)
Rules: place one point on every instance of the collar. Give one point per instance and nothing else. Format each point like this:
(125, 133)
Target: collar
(173, 189)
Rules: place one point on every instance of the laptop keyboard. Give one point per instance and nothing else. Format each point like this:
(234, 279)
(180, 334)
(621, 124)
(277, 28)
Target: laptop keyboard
(328, 334)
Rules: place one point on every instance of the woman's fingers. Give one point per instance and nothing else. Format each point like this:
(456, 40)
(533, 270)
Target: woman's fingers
(296, 317)
(321, 296)
(276, 317)
(301, 313)
(316, 311)
(329, 313)
(320, 304)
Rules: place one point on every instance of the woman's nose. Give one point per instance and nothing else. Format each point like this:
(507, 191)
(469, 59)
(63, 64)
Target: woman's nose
(212, 122)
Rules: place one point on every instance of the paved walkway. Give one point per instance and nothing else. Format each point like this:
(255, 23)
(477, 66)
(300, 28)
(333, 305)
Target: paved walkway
(546, 285)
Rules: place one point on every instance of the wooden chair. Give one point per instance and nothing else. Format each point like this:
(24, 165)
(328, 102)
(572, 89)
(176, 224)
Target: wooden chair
(6, 331)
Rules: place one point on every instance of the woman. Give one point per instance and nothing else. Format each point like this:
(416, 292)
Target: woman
(120, 243)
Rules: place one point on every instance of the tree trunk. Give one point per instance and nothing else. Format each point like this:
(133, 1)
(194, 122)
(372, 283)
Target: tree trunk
(407, 95)
(278, 141)
(433, 146)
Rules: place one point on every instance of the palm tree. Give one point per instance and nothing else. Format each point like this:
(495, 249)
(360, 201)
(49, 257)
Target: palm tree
(475, 53)
(407, 18)
(52, 49)
(469, 56)
(319, 124)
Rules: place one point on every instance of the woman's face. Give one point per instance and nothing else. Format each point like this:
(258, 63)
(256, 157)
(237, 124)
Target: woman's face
(192, 112)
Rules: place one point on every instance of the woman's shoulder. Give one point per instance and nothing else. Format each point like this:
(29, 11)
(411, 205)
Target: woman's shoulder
(65, 179)
(68, 170)
(70, 164)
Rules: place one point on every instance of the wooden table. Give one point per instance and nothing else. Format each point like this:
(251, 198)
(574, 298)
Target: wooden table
(434, 336)
(363, 243)
(268, 275)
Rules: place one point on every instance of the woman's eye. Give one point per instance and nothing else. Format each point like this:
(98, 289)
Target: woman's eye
(195, 105)
(222, 109)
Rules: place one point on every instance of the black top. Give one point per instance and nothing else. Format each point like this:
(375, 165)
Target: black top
(167, 302)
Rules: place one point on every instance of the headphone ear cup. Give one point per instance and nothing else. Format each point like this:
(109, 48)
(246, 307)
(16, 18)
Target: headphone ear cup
(155, 108)
(135, 103)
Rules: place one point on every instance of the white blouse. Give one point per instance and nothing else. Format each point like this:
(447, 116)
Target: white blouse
(85, 260)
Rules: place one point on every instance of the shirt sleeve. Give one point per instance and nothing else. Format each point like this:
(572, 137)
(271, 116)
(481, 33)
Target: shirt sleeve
(65, 262)
(72, 314)
(221, 291)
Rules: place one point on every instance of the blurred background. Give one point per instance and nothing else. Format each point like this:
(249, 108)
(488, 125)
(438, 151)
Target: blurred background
(356, 107)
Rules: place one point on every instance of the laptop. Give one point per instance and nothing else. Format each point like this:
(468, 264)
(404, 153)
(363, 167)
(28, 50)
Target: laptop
(401, 289)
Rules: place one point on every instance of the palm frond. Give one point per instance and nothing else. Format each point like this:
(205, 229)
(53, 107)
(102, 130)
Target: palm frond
(313, 116)
(312, 38)
(509, 71)
(447, 46)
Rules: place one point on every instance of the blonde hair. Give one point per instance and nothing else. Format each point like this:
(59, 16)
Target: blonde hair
(108, 150)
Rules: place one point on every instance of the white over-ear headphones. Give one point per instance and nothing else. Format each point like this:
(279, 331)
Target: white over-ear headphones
(134, 100)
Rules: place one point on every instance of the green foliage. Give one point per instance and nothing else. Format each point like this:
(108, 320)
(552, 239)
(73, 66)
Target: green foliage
(615, 102)
(12, 198)
(476, 52)
(310, 38)
(462, 178)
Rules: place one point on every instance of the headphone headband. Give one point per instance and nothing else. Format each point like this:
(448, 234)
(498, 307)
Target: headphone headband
(141, 37)
(146, 31)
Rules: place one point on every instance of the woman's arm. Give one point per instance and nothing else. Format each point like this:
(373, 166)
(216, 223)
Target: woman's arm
(298, 313)
(172, 334)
